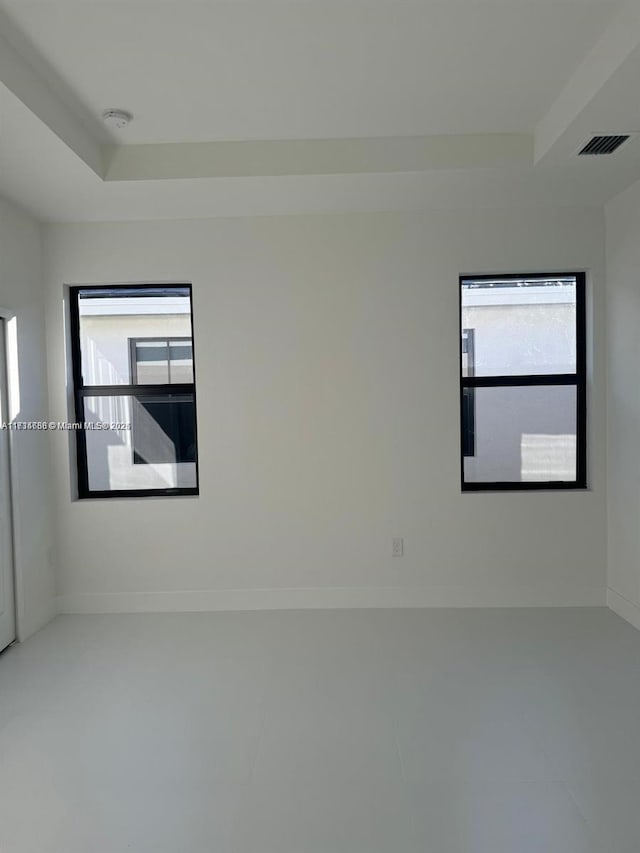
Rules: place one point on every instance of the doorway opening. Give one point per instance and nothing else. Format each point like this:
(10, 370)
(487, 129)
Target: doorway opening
(7, 580)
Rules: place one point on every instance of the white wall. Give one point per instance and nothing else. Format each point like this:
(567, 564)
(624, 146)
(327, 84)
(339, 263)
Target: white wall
(623, 384)
(327, 374)
(21, 294)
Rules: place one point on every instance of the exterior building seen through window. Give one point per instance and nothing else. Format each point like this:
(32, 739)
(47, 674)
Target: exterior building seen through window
(523, 382)
(134, 379)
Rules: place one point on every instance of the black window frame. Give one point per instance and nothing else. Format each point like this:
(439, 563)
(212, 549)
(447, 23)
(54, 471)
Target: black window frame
(578, 380)
(81, 391)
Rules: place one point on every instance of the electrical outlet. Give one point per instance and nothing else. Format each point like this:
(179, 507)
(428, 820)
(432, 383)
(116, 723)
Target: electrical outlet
(397, 547)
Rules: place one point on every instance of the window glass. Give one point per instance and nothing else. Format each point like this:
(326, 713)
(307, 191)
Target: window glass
(181, 360)
(157, 452)
(523, 434)
(151, 362)
(109, 318)
(519, 327)
(135, 346)
(523, 381)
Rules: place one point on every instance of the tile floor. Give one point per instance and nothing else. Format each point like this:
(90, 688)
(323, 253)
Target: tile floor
(368, 731)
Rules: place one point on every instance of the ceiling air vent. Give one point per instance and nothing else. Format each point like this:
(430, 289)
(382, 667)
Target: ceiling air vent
(604, 144)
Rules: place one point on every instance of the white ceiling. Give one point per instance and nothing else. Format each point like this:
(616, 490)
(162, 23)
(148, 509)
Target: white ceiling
(306, 69)
(352, 71)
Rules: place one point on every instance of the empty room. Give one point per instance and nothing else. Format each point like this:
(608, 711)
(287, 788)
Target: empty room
(319, 426)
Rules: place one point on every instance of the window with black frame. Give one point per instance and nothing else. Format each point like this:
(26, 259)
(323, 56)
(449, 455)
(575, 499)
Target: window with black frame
(523, 382)
(134, 390)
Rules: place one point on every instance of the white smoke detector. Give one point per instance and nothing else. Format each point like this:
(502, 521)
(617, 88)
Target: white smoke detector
(116, 119)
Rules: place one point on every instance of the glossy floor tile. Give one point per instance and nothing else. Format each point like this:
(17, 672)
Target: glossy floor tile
(528, 817)
(367, 731)
(612, 810)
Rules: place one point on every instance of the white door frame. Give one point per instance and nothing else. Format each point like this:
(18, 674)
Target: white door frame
(8, 318)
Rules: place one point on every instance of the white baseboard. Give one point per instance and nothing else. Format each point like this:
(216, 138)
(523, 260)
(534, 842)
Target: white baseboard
(623, 607)
(328, 598)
